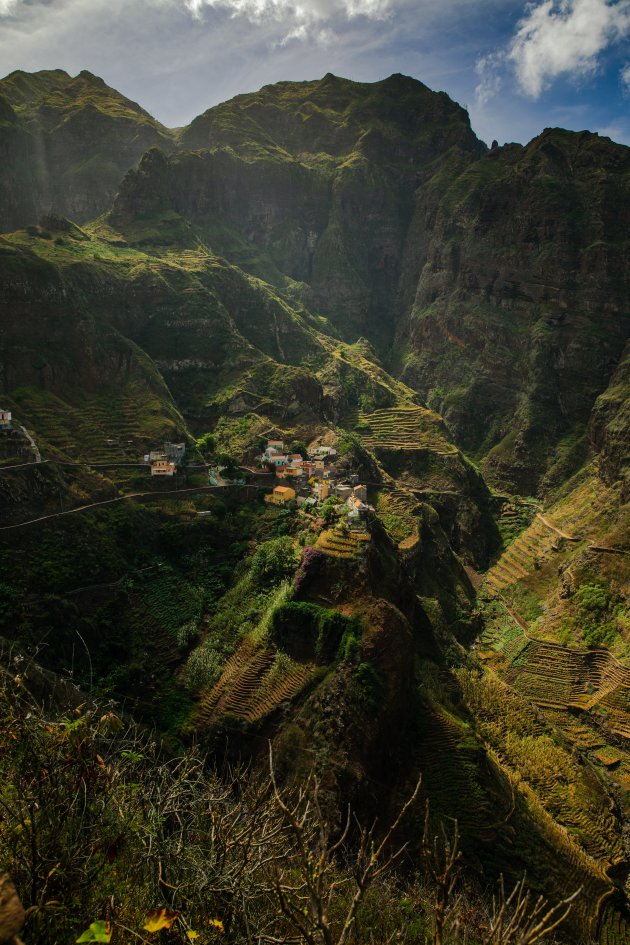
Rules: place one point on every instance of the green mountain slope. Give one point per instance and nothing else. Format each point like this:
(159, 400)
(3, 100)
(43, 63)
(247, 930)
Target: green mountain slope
(505, 270)
(320, 176)
(523, 298)
(66, 143)
(343, 263)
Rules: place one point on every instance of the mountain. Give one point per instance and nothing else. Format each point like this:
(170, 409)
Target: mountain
(506, 270)
(66, 142)
(320, 177)
(341, 264)
(523, 296)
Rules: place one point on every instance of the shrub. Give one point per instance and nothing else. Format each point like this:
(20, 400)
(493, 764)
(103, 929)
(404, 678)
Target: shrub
(274, 560)
(311, 565)
(106, 839)
(370, 683)
(320, 628)
(203, 667)
(207, 443)
(593, 598)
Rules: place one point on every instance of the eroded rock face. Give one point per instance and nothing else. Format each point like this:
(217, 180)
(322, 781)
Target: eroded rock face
(321, 176)
(521, 311)
(65, 144)
(495, 283)
(609, 427)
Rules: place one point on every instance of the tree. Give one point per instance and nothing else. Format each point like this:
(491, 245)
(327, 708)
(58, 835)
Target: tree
(207, 444)
(229, 465)
(298, 447)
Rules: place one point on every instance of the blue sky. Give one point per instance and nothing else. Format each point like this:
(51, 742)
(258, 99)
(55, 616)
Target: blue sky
(518, 67)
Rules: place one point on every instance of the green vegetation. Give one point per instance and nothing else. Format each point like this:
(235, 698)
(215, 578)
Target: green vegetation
(90, 847)
(311, 262)
(122, 594)
(597, 612)
(297, 623)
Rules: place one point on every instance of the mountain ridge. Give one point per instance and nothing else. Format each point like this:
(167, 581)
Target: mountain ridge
(341, 265)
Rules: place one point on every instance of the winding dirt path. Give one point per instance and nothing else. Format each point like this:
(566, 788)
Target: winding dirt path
(157, 496)
(553, 528)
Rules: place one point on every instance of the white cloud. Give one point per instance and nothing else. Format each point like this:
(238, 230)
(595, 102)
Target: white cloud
(565, 37)
(302, 10)
(299, 13)
(624, 75)
(6, 6)
(490, 79)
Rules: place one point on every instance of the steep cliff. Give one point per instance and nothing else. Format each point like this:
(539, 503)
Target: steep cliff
(66, 143)
(495, 284)
(523, 299)
(336, 262)
(321, 177)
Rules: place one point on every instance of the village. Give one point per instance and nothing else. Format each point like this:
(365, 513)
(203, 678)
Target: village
(313, 480)
(298, 477)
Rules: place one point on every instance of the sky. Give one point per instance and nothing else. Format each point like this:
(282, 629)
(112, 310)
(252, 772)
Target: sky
(517, 66)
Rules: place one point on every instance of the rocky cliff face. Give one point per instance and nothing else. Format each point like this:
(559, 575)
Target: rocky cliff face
(494, 284)
(523, 298)
(610, 425)
(66, 142)
(321, 177)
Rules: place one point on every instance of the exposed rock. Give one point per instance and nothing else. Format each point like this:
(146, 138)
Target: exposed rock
(12, 912)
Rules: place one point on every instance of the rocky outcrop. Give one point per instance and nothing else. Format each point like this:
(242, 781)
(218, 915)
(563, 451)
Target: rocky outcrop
(319, 175)
(520, 312)
(494, 283)
(609, 427)
(65, 144)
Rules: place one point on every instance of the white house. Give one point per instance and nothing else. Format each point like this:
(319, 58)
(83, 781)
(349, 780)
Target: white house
(323, 452)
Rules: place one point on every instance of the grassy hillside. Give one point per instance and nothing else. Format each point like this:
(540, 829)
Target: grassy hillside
(67, 141)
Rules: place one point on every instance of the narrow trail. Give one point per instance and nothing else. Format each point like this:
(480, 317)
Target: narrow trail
(156, 496)
(33, 444)
(553, 528)
(114, 464)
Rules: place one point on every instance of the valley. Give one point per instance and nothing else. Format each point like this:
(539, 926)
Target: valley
(318, 439)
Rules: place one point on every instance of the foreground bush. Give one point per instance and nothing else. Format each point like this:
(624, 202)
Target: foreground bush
(108, 841)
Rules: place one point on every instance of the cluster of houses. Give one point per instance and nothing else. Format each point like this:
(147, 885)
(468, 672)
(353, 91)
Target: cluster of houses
(165, 462)
(293, 465)
(313, 480)
(5, 421)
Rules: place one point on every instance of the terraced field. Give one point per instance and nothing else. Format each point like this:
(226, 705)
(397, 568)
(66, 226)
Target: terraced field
(254, 682)
(571, 868)
(397, 511)
(449, 760)
(406, 427)
(111, 428)
(522, 556)
(614, 926)
(558, 677)
(339, 545)
(15, 449)
(562, 797)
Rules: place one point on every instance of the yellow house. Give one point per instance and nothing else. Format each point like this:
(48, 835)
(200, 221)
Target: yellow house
(321, 490)
(280, 495)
